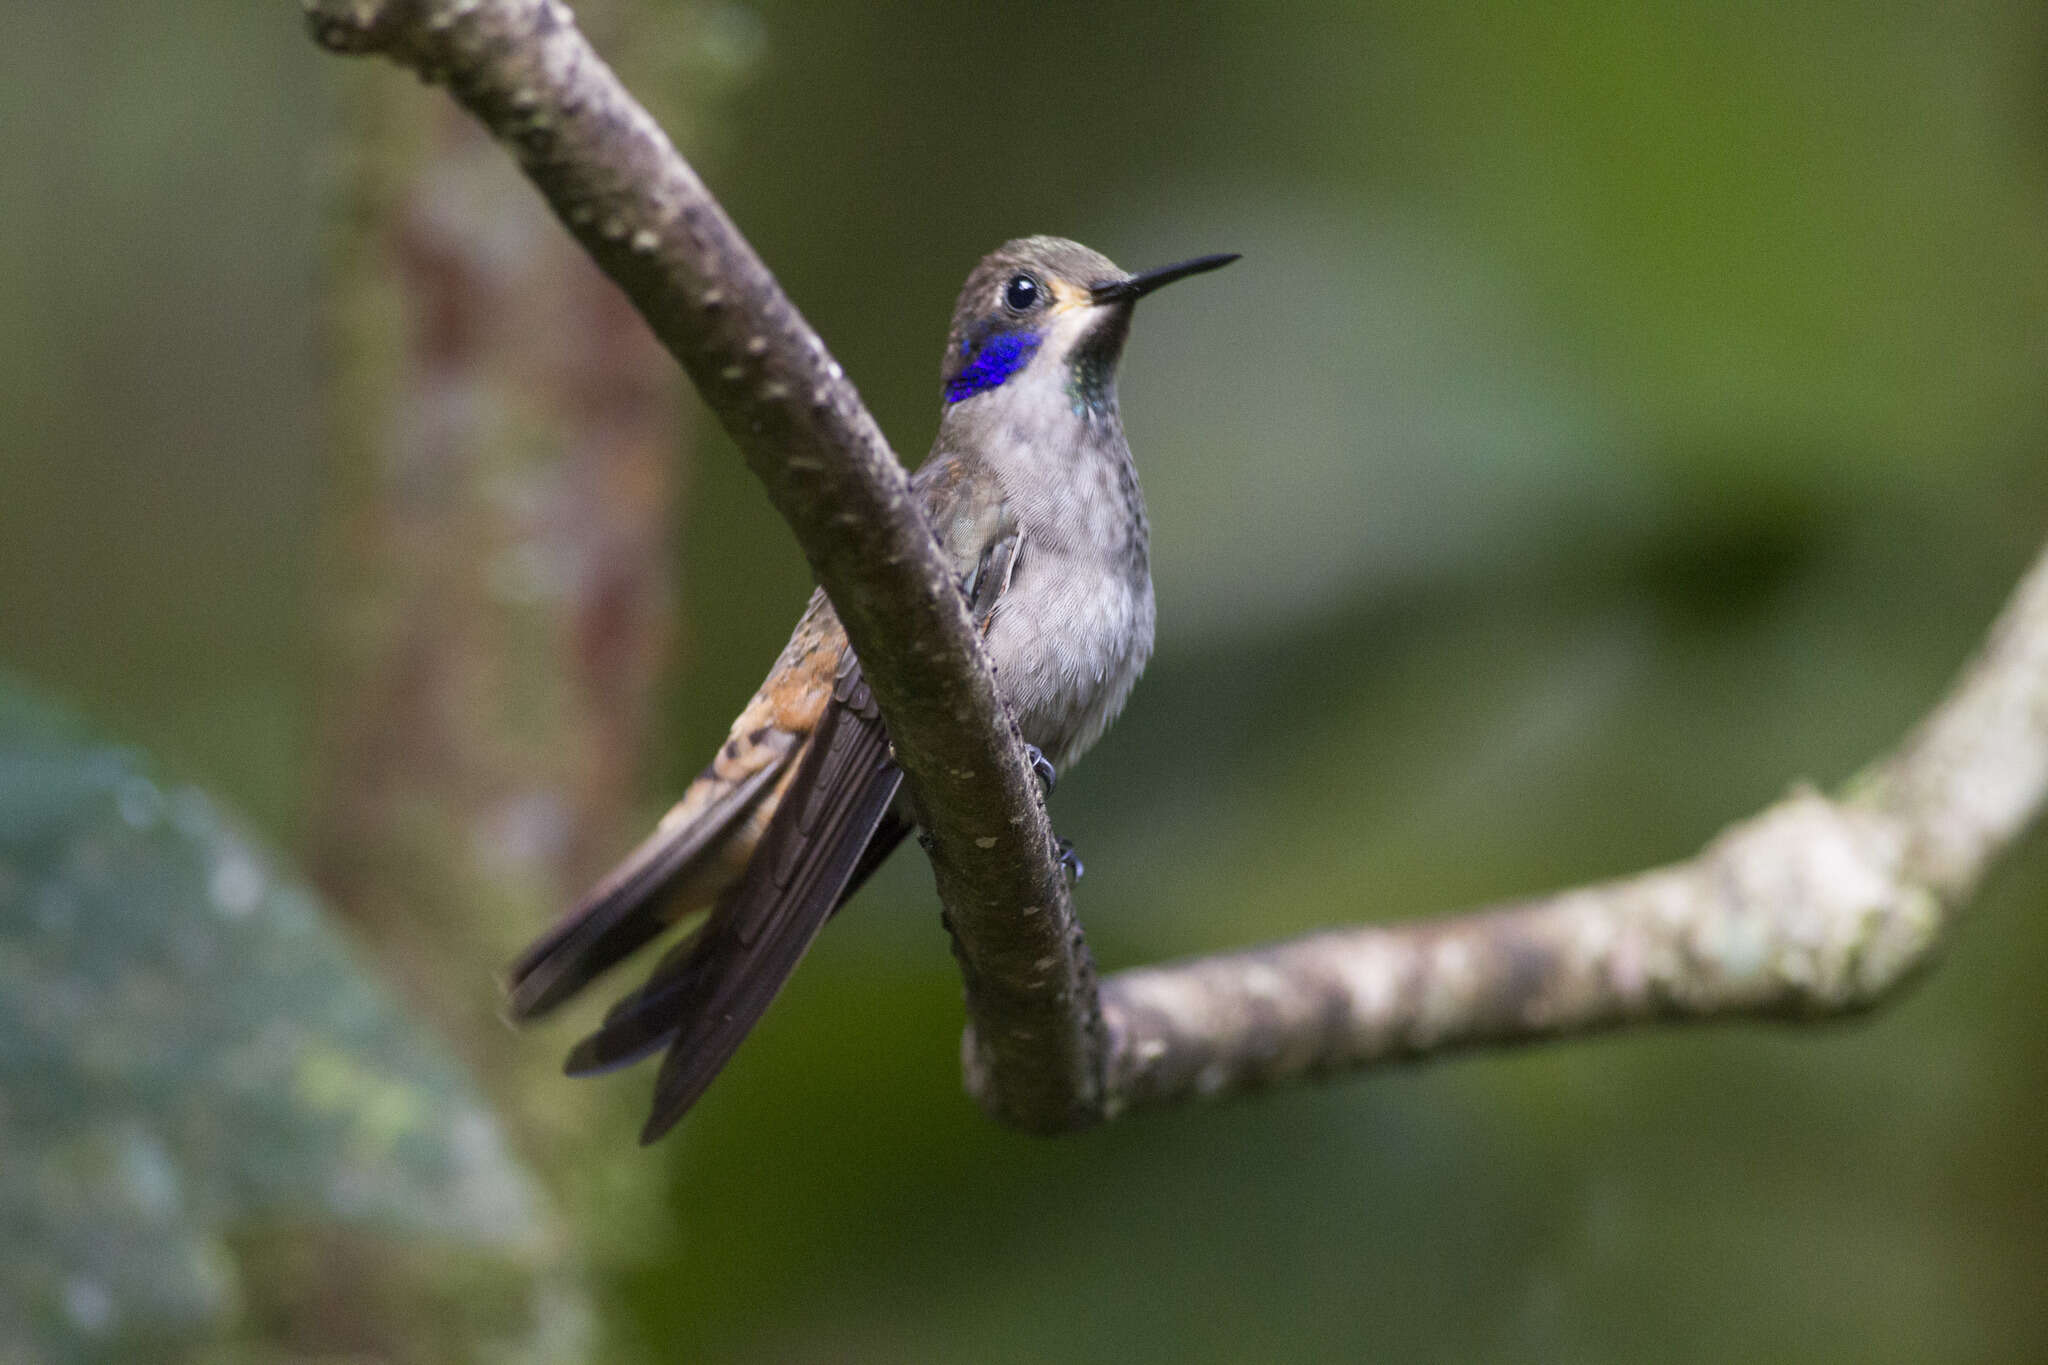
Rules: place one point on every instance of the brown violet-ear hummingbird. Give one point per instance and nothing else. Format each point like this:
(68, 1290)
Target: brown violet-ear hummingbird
(1033, 498)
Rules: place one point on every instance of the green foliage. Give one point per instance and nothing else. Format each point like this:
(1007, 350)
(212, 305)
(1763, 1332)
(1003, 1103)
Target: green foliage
(220, 1134)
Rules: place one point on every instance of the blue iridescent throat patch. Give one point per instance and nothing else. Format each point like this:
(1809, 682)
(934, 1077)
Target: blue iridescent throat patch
(990, 361)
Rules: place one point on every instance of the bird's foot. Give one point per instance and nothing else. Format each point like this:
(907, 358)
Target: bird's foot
(1070, 860)
(1040, 764)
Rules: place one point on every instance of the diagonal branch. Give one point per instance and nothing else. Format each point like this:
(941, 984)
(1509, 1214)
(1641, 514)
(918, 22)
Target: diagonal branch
(614, 179)
(1819, 905)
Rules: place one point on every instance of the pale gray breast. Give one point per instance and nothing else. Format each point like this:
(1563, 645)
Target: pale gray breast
(1074, 630)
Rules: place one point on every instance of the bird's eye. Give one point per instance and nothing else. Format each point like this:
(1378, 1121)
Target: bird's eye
(1021, 294)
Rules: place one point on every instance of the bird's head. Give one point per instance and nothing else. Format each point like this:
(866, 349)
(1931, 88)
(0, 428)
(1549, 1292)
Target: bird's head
(1052, 314)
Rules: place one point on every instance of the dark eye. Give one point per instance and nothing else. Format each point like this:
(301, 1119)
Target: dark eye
(1021, 294)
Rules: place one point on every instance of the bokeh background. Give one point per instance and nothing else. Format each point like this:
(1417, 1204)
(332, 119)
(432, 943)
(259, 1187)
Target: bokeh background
(1621, 413)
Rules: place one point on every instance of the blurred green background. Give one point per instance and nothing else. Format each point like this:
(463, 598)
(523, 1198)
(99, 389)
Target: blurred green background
(1621, 413)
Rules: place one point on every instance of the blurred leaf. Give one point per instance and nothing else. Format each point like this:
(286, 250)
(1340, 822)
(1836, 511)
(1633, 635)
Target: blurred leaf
(219, 1131)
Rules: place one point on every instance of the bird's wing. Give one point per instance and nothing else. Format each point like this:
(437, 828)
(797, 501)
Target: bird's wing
(828, 822)
(708, 992)
(703, 844)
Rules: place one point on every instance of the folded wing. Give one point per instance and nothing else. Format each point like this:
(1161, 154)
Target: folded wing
(704, 996)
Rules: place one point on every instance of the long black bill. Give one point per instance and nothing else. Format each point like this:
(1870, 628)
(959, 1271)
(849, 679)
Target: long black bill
(1137, 286)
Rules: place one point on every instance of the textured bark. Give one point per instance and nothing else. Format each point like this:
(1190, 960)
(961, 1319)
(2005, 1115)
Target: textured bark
(613, 178)
(1816, 906)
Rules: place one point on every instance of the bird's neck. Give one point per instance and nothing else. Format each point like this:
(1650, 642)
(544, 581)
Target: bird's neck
(1063, 467)
(1050, 417)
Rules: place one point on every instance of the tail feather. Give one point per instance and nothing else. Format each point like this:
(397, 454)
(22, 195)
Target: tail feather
(631, 907)
(702, 999)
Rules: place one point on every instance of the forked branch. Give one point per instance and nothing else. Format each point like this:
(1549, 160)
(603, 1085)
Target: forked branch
(1819, 905)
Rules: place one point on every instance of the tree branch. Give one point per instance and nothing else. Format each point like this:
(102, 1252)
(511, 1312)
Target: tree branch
(618, 184)
(1816, 906)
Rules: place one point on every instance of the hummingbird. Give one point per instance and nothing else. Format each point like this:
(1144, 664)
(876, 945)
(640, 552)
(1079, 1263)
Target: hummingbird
(1033, 498)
